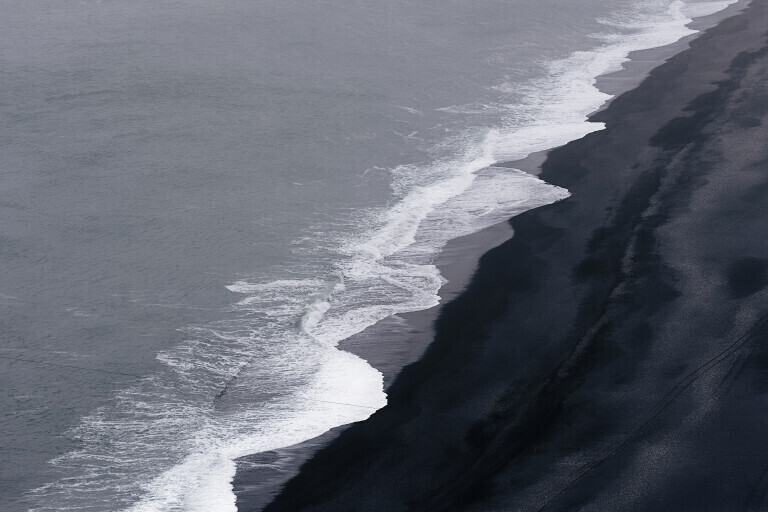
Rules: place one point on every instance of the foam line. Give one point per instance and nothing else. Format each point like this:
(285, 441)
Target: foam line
(169, 440)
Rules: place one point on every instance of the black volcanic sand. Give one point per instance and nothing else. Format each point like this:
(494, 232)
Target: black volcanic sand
(612, 355)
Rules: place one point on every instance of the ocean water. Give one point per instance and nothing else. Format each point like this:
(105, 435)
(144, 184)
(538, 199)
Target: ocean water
(199, 200)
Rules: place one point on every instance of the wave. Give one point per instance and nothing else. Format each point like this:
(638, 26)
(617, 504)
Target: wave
(271, 375)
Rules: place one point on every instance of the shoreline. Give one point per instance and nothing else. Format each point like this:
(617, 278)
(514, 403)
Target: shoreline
(607, 357)
(403, 340)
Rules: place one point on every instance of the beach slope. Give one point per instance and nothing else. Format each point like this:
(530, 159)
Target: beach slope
(612, 355)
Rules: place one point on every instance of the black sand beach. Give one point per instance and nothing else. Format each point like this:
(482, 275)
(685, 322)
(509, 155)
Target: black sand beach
(610, 355)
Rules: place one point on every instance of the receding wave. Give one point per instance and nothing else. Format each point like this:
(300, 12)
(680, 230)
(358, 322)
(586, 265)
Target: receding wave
(271, 375)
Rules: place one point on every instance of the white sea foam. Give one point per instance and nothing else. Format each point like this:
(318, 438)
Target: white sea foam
(271, 376)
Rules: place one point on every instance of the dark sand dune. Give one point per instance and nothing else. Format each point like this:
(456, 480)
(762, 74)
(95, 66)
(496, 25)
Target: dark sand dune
(613, 355)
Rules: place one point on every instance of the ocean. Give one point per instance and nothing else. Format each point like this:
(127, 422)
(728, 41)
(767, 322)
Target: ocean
(201, 200)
